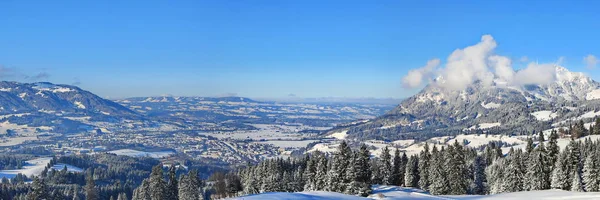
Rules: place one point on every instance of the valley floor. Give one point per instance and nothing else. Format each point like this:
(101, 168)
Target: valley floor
(402, 193)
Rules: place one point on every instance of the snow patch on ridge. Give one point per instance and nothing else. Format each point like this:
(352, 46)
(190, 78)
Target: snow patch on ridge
(544, 115)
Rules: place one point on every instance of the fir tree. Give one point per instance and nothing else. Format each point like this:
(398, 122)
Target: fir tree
(457, 169)
(559, 174)
(172, 190)
(397, 162)
(577, 183)
(158, 187)
(552, 149)
(478, 185)
(535, 178)
(90, 187)
(424, 158)
(437, 174)
(529, 146)
(386, 166)
(590, 173)
(363, 171)
(39, 190)
(122, 196)
(337, 171)
(411, 176)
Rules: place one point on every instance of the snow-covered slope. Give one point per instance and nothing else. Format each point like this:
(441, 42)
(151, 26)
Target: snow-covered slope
(401, 193)
(35, 167)
(136, 153)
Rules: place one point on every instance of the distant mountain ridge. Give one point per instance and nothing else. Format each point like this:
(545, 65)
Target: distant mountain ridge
(49, 98)
(500, 108)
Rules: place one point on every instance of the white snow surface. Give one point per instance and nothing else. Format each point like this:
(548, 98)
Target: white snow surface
(490, 105)
(484, 126)
(79, 105)
(402, 193)
(35, 167)
(340, 135)
(136, 153)
(544, 115)
(594, 94)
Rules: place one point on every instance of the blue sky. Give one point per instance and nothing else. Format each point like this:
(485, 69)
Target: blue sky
(275, 48)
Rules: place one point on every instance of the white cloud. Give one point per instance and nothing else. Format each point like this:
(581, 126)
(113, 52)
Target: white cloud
(479, 63)
(535, 74)
(416, 77)
(465, 66)
(591, 61)
(503, 67)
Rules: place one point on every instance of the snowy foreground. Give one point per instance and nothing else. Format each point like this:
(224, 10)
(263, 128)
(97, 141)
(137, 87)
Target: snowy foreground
(400, 193)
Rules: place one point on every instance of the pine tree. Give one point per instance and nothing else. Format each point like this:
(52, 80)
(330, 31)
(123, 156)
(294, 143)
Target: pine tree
(559, 174)
(597, 127)
(535, 178)
(457, 169)
(90, 187)
(397, 161)
(172, 190)
(546, 164)
(310, 173)
(142, 192)
(386, 166)
(513, 176)
(590, 173)
(158, 187)
(411, 176)
(337, 172)
(529, 147)
(363, 171)
(437, 174)
(424, 158)
(552, 149)
(577, 183)
(76, 193)
(478, 185)
(122, 196)
(39, 190)
(321, 181)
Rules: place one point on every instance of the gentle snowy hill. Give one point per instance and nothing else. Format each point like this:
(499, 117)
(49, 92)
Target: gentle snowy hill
(36, 167)
(401, 193)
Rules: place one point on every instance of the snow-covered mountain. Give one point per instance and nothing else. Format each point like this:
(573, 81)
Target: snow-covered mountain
(497, 108)
(46, 97)
(56, 108)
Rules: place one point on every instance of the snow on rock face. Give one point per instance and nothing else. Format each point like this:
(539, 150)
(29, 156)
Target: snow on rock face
(490, 105)
(544, 115)
(594, 94)
(79, 105)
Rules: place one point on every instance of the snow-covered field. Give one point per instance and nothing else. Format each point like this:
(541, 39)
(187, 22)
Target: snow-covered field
(544, 115)
(136, 153)
(289, 143)
(35, 167)
(401, 193)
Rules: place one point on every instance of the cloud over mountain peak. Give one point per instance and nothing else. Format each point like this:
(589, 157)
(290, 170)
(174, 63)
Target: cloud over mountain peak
(478, 63)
